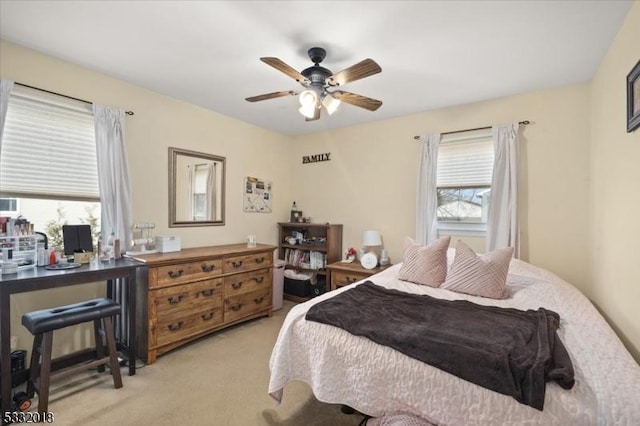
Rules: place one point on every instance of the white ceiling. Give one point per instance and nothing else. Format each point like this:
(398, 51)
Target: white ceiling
(433, 54)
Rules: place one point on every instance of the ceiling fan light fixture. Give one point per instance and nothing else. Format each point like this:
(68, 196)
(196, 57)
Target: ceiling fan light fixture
(330, 103)
(307, 111)
(308, 98)
(308, 103)
(317, 80)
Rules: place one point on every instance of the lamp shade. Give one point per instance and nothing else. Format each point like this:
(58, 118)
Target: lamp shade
(308, 103)
(371, 238)
(308, 98)
(330, 103)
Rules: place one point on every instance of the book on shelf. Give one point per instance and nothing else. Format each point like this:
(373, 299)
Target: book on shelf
(305, 259)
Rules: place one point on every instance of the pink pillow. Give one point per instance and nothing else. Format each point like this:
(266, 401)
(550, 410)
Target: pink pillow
(426, 265)
(484, 275)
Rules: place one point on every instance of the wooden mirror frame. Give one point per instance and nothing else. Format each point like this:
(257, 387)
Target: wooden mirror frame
(174, 221)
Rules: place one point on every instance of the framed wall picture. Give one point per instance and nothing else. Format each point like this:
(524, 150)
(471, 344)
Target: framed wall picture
(257, 195)
(633, 98)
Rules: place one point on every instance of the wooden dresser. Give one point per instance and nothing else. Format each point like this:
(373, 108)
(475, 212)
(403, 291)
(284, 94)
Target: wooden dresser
(187, 294)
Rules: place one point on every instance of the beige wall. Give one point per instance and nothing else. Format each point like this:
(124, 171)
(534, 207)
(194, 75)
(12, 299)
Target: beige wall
(160, 122)
(370, 181)
(579, 173)
(614, 194)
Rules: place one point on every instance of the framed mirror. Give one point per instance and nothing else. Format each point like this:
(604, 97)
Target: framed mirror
(196, 188)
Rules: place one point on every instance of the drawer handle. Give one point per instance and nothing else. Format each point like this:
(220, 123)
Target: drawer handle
(207, 292)
(259, 259)
(175, 327)
(236, 308)
(207, 317)
(207, 268)
(351, 280)
(175, 274)
(237, 264)
(174, 300)
(237, 285)
(259, 300)
(259, 280)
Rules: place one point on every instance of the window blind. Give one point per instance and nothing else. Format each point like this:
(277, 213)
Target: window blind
(465, 163)
(48, 147)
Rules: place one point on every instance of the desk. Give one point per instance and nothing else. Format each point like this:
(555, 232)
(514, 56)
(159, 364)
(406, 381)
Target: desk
(116, 273)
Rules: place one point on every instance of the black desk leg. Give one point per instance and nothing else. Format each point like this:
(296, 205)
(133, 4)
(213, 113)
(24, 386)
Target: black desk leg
(132, 303)
(5, 352)
(123, 291)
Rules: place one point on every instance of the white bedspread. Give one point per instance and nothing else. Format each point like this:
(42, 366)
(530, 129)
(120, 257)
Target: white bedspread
(377, 380)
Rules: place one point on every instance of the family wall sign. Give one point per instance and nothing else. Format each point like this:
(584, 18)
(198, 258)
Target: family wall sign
(306, 159)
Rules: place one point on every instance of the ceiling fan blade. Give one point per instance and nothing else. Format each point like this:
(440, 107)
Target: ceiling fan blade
(288, 70)
(357, 100)
(270, 96)
(355, 72)
(316, 115)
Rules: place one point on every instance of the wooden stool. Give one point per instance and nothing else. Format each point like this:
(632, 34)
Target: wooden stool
(42, 324)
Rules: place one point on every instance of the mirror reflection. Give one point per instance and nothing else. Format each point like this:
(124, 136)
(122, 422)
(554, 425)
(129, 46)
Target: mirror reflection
(196, 188)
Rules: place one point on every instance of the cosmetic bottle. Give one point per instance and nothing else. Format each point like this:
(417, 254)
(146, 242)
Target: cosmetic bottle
(52, 257)
(8, 265)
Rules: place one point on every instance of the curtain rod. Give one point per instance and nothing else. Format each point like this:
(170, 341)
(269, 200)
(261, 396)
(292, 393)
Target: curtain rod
(525, 122)
(65, 96)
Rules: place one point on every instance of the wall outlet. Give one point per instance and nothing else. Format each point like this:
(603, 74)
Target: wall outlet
(14, 343)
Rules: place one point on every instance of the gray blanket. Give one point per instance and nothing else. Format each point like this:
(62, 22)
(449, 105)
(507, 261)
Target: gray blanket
(507, 350)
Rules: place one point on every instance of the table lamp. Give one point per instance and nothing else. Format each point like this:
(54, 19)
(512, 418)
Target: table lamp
(370, 238)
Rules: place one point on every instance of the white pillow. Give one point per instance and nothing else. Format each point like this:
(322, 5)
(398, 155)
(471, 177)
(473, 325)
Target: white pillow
(484, 275)
(426, 265)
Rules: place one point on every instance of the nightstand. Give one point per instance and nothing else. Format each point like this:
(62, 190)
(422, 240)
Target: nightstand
(341, 273)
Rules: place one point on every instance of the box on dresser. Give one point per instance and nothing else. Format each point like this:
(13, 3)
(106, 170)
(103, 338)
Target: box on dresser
(197, 291)
(167, 244)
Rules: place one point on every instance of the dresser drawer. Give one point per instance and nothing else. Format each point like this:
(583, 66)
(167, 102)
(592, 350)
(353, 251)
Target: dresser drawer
(341, 278)
(183, 272)
(186, 297)
(173, 329)
(247, 262)
(246, 304)
(246, 282)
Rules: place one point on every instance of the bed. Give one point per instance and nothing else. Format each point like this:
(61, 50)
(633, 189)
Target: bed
(378, 380)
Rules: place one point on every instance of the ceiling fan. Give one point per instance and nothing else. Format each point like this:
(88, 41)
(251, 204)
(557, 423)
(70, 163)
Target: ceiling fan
(320, 85)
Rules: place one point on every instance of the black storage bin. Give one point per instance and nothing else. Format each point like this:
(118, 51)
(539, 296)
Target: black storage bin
(300, 288)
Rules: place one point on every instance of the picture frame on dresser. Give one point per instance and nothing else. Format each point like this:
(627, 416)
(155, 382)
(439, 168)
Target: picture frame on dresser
(633, 98)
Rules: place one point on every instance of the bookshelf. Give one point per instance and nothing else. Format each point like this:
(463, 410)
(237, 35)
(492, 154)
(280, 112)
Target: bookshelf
(316, 246)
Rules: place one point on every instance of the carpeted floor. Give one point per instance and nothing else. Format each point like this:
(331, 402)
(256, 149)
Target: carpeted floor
(221, 379)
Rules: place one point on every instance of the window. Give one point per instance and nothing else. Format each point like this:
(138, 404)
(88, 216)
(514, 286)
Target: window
(8, 206)
(465, 168)
(48, 162)
(200, 191)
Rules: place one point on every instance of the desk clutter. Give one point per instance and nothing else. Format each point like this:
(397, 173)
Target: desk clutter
(63, 266)
(22, 247)
(18, 245)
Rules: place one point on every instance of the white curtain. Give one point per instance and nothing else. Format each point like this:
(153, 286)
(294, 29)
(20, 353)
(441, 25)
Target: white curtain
(5, 90)
(211, 191)
(191, 201)
(426, 197)
(113, 174)
(502, 222)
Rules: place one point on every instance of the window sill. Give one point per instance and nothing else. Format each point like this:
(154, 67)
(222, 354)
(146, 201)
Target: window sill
(462, 229)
